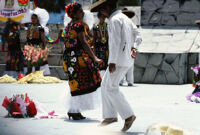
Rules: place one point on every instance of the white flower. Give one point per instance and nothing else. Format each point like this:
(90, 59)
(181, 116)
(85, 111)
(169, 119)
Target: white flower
(73, 60)
(72, 53)
(71, 70)
(22, 104)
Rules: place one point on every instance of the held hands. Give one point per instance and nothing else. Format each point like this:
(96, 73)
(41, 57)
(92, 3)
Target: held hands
(112, 67)
(133, 54)
(98, 61)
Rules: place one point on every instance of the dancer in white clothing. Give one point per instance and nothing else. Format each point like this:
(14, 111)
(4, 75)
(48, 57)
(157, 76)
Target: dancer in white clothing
(121, 54)
(137, 39)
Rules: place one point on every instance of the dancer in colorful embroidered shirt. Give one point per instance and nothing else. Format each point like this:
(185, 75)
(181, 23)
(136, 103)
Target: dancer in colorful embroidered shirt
(79, 64)
(101, 42)
(14, 63)
(36, 36)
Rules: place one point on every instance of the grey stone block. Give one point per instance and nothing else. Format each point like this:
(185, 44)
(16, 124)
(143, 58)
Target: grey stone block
(168, 20)
(155, 59)
(57, 49)
(183, 59)
(155, 19)
(2, 69)
(169, 58)
(190, 73)
(158, 3)
(192, 58)
(186, 7)
(59, 73)
(182, 75)
(146, 15)
(175, 65)
(3, 57)
(149, 5)
(186, 19)
(138, 73)
(141, 60)
(171, 78)
(170, 6)
(166, 67)
(149, 74)
(160, 78)
(55, 60)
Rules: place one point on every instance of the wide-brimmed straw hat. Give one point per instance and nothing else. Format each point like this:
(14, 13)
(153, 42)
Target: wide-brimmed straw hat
(129, 13)
(197, 22)
(96, 5)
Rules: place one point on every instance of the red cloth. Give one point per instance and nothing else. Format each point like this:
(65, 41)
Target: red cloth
(15, 109)
(6, 102)
(19, 76)
(31, 109)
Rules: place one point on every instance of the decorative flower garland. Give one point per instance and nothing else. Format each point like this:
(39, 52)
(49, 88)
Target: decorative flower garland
(23, 2)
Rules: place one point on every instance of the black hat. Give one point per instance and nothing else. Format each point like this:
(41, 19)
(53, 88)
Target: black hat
(96, 5)
(129, 13)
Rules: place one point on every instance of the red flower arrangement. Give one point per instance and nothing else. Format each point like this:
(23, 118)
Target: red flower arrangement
(23, 2)
(20, 106)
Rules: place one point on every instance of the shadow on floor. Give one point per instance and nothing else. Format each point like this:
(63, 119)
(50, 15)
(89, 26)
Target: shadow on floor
(87, 120)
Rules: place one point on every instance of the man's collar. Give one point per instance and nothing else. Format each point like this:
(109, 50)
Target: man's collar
(114, 12)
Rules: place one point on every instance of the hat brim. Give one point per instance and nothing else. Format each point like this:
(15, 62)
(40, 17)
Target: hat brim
(130, 14)
(95, 6)
(197, 22)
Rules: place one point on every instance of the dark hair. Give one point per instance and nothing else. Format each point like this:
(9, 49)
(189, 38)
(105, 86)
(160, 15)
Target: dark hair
(76, 7)
(71, 9)
(99, 14)
(35, 15)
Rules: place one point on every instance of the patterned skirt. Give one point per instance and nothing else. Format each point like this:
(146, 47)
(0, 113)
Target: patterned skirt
(84, 77)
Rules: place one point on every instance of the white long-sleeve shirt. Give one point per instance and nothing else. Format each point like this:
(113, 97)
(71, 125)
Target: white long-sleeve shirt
(123, 36)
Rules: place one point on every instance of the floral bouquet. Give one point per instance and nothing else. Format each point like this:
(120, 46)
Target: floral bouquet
(20, 106)
(35, 55)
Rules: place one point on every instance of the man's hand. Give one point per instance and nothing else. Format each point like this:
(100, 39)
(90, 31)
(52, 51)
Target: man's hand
(112, 67)
(133, 55)
(98, 61)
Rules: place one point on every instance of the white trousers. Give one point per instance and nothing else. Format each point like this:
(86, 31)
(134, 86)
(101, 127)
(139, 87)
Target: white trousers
(113, 101)
(129, 77)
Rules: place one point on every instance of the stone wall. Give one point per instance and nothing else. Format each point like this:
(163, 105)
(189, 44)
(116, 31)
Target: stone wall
(170, 12)
(161, 68)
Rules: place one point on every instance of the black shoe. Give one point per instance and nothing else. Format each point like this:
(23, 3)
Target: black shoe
(81, 116)
(75, 116)
(130, 84)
